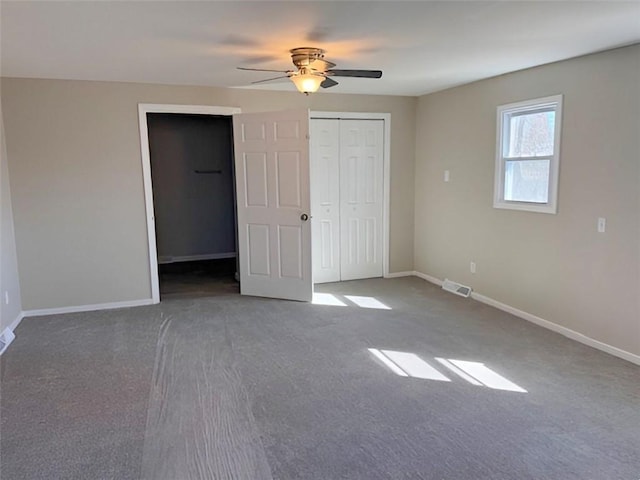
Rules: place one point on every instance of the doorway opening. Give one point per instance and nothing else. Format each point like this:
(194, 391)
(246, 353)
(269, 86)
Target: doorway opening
(192, 177)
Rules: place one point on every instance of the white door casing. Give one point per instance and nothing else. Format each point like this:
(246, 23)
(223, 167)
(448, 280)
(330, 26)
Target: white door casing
(273, 198)
(325, 199)
(143, 109)
(361, 190)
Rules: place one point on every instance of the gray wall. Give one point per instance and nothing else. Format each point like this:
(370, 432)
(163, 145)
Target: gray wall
(76, 179)
(554, 266)
(9, 281)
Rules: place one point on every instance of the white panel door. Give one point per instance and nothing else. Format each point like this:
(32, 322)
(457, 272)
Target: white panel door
(325, 199)
(361, 198)
(272, 188)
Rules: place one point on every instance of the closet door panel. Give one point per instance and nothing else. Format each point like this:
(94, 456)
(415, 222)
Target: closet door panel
(325, 199)
(361, 188)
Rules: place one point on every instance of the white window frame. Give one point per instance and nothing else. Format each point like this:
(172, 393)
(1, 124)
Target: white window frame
(504, 112)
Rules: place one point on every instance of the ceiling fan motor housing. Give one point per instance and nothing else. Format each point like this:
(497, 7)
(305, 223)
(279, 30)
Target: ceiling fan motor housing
(304, 56)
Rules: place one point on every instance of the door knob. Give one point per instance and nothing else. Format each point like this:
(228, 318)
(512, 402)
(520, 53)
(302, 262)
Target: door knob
(304, 217)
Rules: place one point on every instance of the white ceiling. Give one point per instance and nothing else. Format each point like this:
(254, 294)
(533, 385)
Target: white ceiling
(421, 46)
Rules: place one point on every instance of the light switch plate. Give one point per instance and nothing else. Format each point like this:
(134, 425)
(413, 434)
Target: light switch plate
(602, 224)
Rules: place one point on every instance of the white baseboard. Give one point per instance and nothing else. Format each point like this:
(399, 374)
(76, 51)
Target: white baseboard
(192, 258)
(567, 332)
(428, 278)
(399, 274)
(87, 308)
(13, 325)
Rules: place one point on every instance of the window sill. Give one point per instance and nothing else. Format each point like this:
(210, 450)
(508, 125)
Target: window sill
(526, 207)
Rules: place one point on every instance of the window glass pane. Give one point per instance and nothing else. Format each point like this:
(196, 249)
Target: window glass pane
(531, 134)
(527, 181)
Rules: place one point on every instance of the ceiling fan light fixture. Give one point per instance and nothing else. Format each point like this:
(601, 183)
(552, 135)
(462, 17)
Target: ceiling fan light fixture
(307, 82)
(313, 71)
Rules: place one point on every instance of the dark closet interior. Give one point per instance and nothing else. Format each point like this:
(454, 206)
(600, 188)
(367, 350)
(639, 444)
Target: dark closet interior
(193, 200)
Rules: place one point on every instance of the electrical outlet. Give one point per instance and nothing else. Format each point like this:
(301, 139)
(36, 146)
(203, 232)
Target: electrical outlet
(446, 175)
(472, 267)
(6, 297)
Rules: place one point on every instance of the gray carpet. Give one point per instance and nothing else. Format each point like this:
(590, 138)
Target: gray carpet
(232, 387)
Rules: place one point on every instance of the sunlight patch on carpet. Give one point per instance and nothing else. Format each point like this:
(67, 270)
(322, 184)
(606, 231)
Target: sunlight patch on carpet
(367, 302)
(327, 299)
(407, 364)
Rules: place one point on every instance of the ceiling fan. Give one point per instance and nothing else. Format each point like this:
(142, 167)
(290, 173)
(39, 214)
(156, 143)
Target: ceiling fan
(313, 71)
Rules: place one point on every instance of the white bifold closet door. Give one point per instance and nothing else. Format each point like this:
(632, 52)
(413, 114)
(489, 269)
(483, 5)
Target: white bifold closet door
(346, 198)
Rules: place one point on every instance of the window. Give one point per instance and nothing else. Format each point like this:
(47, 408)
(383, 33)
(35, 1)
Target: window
(527, 155)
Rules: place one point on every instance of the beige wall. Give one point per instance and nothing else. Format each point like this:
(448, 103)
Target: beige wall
(76, 177)
(9, 281)
(554, 266)
(78, 203)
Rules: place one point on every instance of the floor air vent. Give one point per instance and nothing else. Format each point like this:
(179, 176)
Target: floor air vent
(5, 339)
(456, 288)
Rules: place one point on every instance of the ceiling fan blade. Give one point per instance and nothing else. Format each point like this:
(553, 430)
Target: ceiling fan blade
(321, 65)
(239, 41)
(269, 79)
(318, 35)
(328, 82)
(263, 70)
(355, 73)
